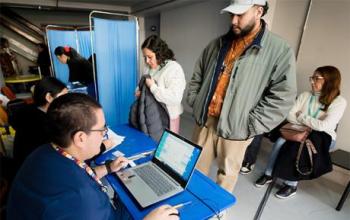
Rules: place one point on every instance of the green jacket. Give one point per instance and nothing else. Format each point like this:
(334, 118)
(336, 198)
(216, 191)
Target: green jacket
(261, 91)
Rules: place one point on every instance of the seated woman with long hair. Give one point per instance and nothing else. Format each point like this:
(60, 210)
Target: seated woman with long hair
(30, 121)
(320, 109)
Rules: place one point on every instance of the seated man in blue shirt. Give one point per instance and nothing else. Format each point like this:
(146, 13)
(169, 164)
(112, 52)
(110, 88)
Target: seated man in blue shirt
(56, 183)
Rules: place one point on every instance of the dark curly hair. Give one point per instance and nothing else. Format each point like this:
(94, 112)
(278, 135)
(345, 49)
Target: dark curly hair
(160, 48)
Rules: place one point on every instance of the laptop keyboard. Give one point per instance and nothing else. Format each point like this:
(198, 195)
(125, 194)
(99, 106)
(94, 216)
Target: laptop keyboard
(158, 183)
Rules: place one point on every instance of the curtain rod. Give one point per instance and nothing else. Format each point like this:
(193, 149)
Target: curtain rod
(60, 27)
(111, 13)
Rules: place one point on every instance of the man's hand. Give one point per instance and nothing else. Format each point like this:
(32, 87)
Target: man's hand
(115, 166)
(119, 163)
(164, 212)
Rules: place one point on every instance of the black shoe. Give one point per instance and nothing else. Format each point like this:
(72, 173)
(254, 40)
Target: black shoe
(246, 168)
(286, 192)
(263, 180)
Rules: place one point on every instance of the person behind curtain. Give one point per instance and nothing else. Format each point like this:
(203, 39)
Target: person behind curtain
(30, 122)
(320, 109)
(43, 60)
(80, 69)
(243, 85)
(167, 82)
(8, 60)
(55, 182)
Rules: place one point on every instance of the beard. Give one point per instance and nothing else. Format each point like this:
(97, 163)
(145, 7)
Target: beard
(241, 32)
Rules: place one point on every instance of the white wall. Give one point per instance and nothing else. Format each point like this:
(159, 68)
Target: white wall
(326, 42)
(271, 13)
(152, 22)
(289, 19)
(187, 30)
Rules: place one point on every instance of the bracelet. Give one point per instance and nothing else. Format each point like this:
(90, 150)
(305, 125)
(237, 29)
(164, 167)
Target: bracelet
(108, 166)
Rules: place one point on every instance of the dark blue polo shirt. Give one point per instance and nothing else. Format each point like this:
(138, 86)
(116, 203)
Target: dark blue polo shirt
(50, 186)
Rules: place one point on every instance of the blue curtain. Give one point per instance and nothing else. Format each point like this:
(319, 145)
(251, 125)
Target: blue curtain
(116, 51)
(84, 43)
(60, 38)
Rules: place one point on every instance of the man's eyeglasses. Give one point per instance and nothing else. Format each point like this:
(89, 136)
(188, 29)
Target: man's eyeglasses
(315, 78)
(104, 131)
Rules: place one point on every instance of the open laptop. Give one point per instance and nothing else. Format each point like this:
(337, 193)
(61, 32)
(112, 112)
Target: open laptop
(167, 174)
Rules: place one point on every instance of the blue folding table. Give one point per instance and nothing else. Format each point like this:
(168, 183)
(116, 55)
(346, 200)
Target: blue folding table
(207, 198)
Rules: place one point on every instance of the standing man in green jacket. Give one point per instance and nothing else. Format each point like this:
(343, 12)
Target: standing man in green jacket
(244, 84)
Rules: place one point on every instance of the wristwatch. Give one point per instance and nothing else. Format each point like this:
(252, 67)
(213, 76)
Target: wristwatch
(108, 166)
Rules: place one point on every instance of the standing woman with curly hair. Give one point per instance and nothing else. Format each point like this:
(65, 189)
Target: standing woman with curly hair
(167, 82)
(80, 69)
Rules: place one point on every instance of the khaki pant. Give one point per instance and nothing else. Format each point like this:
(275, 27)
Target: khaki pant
(229, 154)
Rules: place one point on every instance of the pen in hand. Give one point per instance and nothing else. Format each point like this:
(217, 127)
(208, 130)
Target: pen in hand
(178, 206)
(141, 155)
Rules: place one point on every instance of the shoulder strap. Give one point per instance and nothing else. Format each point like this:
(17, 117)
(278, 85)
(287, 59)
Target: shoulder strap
(311, 150)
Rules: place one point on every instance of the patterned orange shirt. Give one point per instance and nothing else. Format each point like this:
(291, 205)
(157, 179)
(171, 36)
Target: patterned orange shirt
(237, 48)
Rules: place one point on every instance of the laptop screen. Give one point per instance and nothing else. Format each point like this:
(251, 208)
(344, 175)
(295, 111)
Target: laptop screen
(178, 154)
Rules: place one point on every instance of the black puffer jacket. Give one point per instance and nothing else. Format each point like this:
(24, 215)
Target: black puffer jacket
(147, 114)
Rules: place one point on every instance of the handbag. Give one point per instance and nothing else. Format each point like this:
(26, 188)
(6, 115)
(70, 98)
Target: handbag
(310, 151)
(299, 133)
(295, 162)
(294, 132)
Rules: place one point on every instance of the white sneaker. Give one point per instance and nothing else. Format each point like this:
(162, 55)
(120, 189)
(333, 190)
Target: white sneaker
(246, 168)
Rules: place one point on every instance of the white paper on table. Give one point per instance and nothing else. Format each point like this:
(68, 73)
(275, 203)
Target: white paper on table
(132, 163)
(117, 139)
(118, 153)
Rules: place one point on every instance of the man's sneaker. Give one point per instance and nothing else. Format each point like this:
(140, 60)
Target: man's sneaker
(263, 180)
(286, 192)
(246, 168)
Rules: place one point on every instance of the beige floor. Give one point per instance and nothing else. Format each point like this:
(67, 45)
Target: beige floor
(315, 199)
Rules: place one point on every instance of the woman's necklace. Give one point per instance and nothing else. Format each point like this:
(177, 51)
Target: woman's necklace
(312, 101)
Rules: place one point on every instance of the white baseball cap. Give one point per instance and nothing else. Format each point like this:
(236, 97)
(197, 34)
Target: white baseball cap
(239, 7)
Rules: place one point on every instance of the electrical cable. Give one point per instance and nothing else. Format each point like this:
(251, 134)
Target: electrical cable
(214, 210)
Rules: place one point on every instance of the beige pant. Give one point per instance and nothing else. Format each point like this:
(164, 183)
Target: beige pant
(229, 154)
